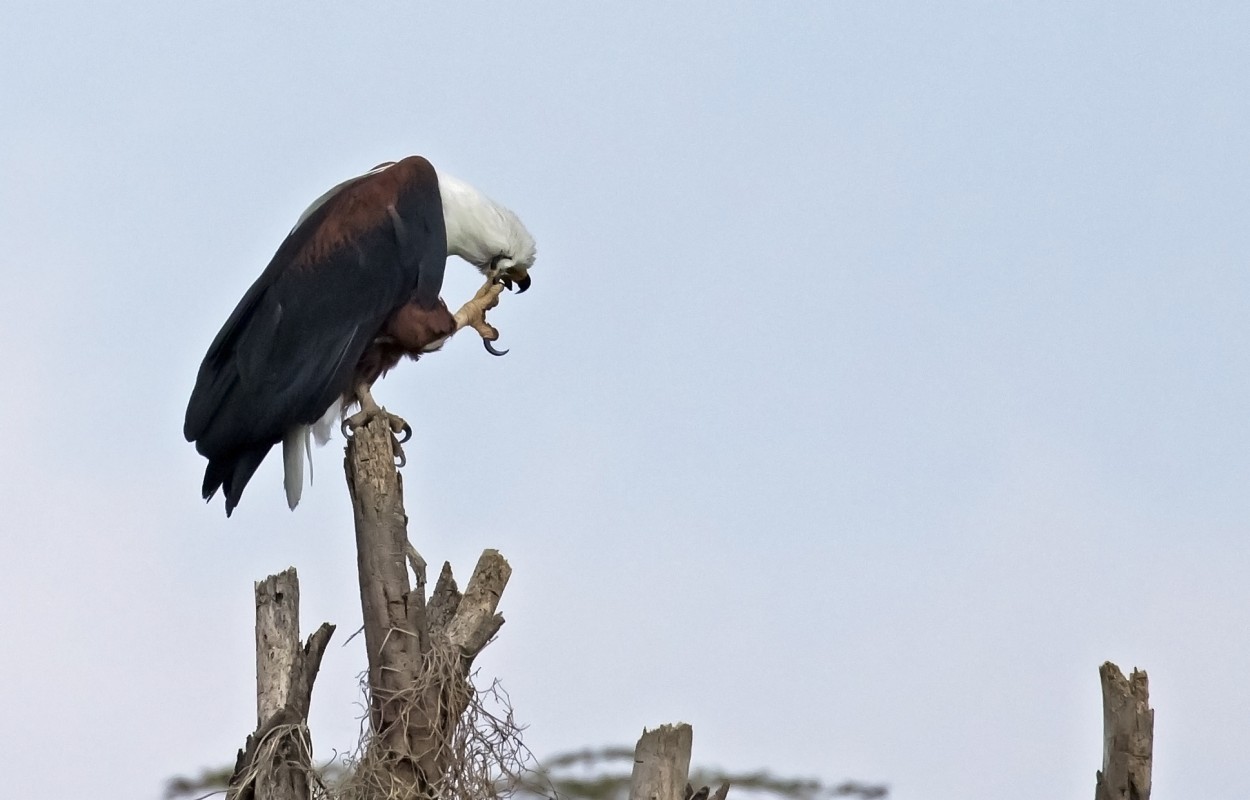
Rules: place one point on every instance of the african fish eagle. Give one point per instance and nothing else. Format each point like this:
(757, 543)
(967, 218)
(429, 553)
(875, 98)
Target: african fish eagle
(352, 289)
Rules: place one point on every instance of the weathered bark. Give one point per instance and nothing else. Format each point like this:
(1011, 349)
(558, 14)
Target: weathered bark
(277, 759)
(662, 767)
(662, 763)
(1128, 735)
(420, 654)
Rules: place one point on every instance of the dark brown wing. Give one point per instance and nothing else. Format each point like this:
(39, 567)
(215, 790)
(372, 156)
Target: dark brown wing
(291, 345)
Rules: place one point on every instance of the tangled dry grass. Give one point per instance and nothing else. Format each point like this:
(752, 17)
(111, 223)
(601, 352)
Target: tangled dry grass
(442, 737)
(277, 757)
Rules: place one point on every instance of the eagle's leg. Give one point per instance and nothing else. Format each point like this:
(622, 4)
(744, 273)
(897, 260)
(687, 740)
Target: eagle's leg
(473, 314)
(369, 411)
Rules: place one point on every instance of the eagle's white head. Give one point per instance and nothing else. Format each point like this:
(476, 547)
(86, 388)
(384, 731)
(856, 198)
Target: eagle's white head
(484, 233)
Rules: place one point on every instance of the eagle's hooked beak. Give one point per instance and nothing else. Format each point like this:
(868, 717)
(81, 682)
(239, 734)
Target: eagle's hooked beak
(518, 274)
(522, 282)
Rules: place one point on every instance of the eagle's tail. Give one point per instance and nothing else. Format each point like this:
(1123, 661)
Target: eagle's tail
(232, 473)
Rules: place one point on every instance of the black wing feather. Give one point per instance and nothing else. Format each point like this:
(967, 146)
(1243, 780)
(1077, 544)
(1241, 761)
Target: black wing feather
(291, 346)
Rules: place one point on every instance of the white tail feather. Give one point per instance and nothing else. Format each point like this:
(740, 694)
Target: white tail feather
(294, 445)
(297, 446)
(308, 437)
(325, 426)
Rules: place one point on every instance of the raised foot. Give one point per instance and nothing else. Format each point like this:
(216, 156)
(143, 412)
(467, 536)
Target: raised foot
(473, 314)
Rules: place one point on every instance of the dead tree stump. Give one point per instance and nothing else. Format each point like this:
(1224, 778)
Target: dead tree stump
(1128, 736)
(276, 762)
(420, 652)
(662, 767)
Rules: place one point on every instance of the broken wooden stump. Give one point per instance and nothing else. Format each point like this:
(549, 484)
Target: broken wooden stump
(662, 767)
(276, 762)
(420, 650)
(1128, 735)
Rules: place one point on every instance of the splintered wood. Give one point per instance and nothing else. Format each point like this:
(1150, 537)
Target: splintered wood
(662, 767)
(662, 763)
(276, 762)
(420, 651)
(1128, 736)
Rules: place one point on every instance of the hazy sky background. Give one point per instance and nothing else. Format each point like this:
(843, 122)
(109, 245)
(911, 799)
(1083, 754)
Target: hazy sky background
(884, 373)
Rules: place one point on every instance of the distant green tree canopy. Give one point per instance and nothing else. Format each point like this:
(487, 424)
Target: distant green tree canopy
(602, 774)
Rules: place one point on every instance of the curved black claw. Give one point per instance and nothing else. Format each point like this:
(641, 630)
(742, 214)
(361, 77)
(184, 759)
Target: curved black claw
(490, 348)
(403, 434)
(522, 284)
(399, 454)
(350, 424)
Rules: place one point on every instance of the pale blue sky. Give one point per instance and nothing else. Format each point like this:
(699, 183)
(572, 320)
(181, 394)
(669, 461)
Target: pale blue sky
(884, 372)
